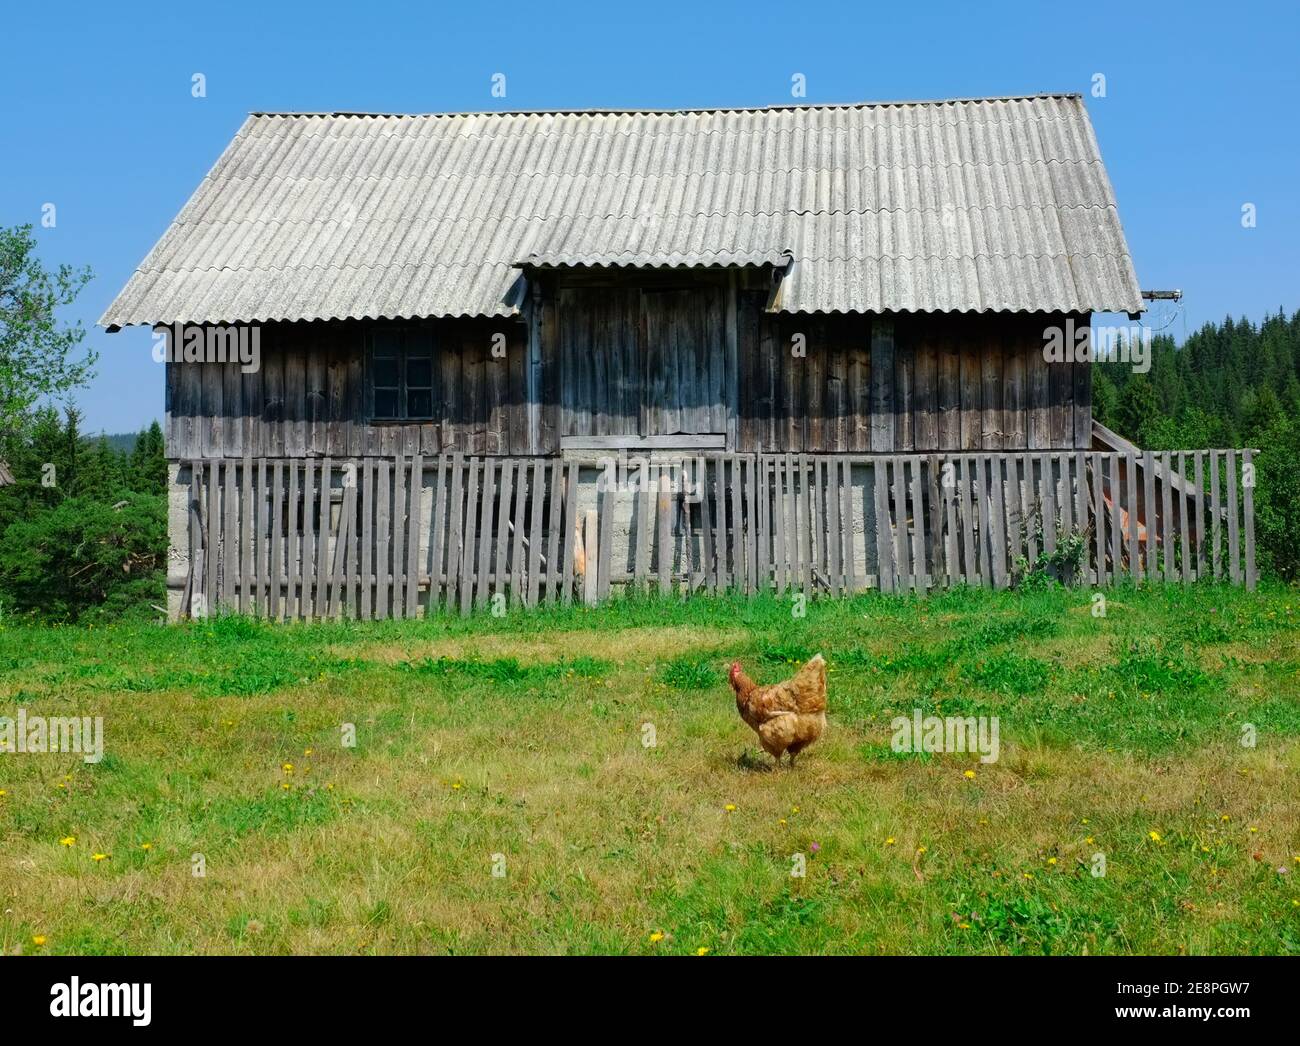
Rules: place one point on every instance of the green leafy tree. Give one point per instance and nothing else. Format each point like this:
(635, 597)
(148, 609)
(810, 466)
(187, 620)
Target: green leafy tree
(38, 352)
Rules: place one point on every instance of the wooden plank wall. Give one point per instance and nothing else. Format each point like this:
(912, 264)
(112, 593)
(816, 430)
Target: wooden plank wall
(907, 383)
(307, 397)
(576, 365)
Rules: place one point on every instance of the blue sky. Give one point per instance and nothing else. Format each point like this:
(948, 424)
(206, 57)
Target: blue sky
(1199, 118)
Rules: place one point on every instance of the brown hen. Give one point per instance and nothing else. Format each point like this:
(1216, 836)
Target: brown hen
(787, 716)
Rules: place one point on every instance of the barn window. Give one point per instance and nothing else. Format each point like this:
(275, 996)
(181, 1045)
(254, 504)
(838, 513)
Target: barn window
(399, 377)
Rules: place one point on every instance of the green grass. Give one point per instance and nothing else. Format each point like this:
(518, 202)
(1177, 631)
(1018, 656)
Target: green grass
(523, 741)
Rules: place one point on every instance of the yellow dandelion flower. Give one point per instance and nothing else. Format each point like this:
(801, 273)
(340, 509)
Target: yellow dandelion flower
(794, 809)
(287, 768)
(1154, 836)
(308, 751)
(1225, 817)
(1090, 840)
(1051, 860)
(3, 793)
(99, 857)
(963, 926)
(146, 846)
(68, 840)
(701, 951)
(969, 775)
(920, 849)
(656, 937)
(1029, 875)
(1253, 828)
(456, 786)
(730, 808)
(890, 841)
(782, 821)
(1083, 821)
(38, 940)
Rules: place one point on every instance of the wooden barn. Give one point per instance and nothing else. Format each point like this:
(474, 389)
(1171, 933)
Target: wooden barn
(489, 359)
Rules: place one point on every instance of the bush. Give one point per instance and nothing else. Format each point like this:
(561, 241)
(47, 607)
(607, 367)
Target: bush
(84, 557)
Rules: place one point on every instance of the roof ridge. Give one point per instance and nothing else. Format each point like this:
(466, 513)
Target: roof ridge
(665, 111)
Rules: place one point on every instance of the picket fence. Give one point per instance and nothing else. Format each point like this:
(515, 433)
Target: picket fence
(381, 537)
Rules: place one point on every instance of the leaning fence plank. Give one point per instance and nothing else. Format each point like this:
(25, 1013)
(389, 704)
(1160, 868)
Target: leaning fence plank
(276, 550)
(739, 565)
(778, 524)
(815, 519)
(510, 468)
(351, 596)
(606, 536)
(293, 551)
(985, 527)
(663, 511)
(966, 517)
(1198, 517)
(455, 537)
(1010, 502)
(469, 546)
(722, 577)
(708, 569)
(571, 523)
(1216, 514)
(1134, 554)
(1150, 514)
(1064, 497)
(754, 577)
(885, 574)
(436, 531)
(535, 530)
(919, 579)
(591, 552)
(1096, 481)
(555, 490)
(230, 539)
(382, 515)
(763, 529)
(1116, 524)
(367, 536)
(846, 525)
(952, 538)
(1248, 513)
(1047, 495)
(1233, 553)
(643, 502)
(902, 551)
(805, 480)
(1167, 513)
(413, 535)
(245, 499)
(486, 533)
(323, 540)
(1081, 502)
(518, 564)
(834, 527)
(1184, 525)
(342, 537)
(997, 543)
(399, 537)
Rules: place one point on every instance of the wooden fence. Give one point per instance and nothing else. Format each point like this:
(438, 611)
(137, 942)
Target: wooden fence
(384, 537)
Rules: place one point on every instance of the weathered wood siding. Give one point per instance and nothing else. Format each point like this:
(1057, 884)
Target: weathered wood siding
(676, 358)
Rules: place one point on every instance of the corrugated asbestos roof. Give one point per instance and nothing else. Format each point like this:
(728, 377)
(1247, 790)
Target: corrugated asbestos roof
(972, 205)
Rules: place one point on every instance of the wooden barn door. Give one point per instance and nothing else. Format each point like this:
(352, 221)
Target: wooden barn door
(683, 354)
(637, 363)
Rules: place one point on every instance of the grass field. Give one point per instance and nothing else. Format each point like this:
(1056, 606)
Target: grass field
(523, 737)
